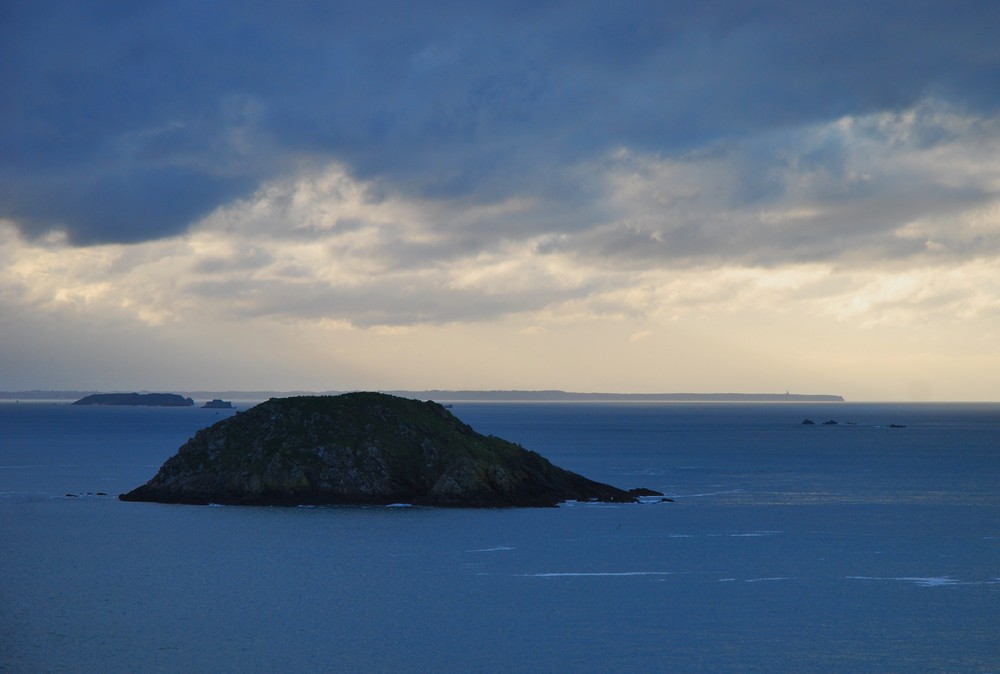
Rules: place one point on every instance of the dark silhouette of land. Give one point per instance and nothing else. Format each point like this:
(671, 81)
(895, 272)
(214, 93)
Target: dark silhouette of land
(362, 449)
(141, 399)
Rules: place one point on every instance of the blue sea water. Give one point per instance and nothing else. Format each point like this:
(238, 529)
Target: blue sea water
(854, 547)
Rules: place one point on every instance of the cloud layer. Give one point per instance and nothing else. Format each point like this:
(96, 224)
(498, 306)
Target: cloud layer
(126, 123)
(466, 195)
(701, 230)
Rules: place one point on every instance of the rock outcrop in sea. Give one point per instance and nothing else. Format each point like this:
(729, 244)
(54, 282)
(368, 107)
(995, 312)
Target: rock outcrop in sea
(362, 449)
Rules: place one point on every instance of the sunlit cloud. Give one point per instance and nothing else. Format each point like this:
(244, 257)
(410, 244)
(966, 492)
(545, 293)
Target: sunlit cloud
(688, 235)
(915, 187)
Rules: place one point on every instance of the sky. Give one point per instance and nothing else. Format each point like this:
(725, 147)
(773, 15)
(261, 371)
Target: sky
(705, 196)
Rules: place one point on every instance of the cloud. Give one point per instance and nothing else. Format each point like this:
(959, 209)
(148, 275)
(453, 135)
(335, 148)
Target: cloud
(874, 219)
(128, 123)
(920, 185)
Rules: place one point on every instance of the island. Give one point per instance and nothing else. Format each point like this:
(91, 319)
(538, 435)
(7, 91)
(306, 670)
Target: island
(218, 404)
(144, 399)
(362, 449)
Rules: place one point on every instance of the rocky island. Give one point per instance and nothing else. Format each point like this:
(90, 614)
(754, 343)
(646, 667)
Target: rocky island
(145, 399)
(362, 449)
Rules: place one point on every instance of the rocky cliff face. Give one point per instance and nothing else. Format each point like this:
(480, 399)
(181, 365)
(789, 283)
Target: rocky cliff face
(360, 448)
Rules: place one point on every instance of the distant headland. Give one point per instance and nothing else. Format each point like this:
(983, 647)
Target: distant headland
(568, 396)
(143, 399)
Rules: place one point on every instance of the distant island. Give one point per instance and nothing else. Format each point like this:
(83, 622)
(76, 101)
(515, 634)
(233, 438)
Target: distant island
(362, 449)
(218, 404)
(143, 399)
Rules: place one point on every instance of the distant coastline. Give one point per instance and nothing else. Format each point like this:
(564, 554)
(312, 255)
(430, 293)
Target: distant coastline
(442, 395)
(569, 396)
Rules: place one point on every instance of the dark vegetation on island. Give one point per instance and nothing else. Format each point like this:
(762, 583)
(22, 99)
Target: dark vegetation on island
(362, 449)
(218, 404)
(145, 399)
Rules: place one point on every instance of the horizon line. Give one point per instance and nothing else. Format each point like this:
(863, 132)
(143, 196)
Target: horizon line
(465, 395)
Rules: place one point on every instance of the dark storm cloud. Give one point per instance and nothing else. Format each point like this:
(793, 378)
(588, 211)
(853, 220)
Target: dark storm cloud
(129, 121)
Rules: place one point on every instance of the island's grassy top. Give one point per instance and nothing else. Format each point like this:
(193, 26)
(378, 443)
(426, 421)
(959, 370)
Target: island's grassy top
(401, 429)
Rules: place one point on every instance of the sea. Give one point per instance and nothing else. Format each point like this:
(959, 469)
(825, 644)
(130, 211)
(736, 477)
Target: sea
(867, 545)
